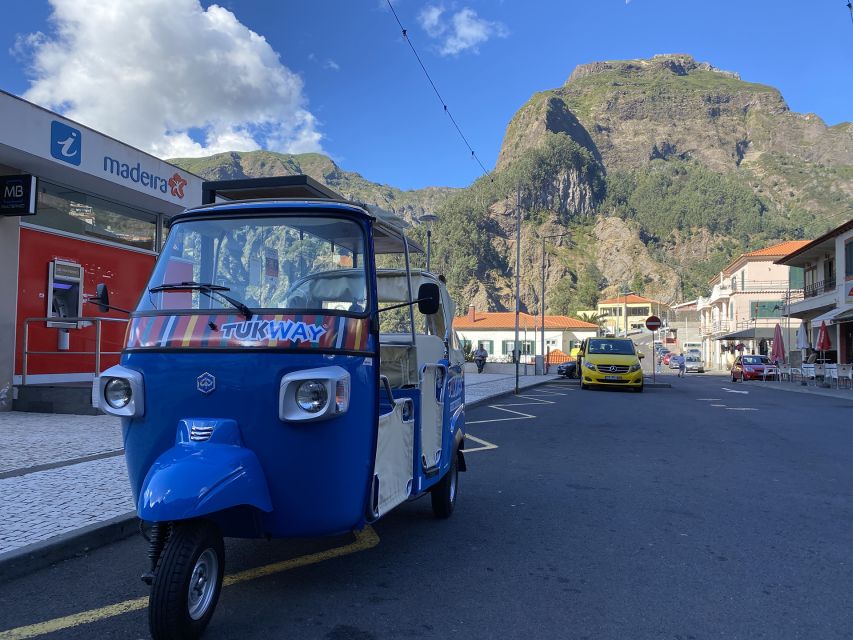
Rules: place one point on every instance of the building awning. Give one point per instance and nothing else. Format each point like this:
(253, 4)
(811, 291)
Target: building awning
(838, 314)
(759, 333)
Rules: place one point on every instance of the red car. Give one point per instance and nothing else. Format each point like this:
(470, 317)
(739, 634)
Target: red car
(667, 357)
(749, 368)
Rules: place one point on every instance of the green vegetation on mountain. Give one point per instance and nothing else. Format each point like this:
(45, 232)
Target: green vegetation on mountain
(648, 175)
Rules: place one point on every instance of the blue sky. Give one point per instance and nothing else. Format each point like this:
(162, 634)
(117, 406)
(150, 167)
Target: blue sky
(179, 77)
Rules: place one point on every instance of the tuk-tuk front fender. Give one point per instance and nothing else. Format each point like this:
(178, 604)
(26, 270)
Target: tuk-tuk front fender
(198, 478)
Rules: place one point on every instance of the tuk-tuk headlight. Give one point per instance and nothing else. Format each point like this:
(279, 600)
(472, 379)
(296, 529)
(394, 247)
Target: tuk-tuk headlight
(314, 394)
(311, 395)
(117, 393)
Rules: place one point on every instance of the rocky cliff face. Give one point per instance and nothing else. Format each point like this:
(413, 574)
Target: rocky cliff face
(726, 144)
(635, 111)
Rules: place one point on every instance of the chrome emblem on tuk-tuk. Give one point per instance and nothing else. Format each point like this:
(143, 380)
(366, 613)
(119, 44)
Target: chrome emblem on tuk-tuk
(205, 383)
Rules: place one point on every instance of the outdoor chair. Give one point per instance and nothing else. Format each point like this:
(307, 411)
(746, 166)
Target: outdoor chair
(831, 374)
(845, 372)
(796, 373)
(785, 372)
(819, 372)
(808, 372)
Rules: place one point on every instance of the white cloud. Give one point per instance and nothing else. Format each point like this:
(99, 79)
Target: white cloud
(460, 31)
(331, 64)
(151, 72)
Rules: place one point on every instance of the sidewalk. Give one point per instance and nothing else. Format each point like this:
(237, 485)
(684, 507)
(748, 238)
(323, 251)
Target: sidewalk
(63, 477)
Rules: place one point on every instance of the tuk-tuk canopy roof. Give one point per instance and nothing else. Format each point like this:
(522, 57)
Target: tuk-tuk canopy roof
(387, 238)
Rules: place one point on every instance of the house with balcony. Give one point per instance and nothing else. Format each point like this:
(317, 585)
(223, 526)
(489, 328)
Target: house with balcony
(627, 312)
(827, 266)
(747, 299)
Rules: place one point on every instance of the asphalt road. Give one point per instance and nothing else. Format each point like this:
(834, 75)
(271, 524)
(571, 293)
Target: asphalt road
(691, 512)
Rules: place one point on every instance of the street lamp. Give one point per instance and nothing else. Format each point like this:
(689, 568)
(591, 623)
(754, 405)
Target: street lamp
(542, 302)
(428, 219)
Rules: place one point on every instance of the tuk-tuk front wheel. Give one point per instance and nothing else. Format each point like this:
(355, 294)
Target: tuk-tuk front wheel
(187, 582)
(443, 494)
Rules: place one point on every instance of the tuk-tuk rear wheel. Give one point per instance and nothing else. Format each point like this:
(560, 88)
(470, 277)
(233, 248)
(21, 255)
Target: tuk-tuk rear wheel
(443, 494)
(187, 582)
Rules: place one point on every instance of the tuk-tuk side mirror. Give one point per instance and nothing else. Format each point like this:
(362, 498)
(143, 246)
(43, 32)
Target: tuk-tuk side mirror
(102, 298)
(641, 355)
(429, 298)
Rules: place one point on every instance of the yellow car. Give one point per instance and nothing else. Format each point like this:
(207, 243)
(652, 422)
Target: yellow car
(610, 362)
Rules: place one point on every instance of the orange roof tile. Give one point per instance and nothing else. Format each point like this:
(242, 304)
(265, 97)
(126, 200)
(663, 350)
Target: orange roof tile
(629, 299)
(777, 250)
(506, 320)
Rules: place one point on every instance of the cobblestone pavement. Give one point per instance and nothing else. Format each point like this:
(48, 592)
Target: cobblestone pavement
(39, 504)
(481, 386)
(31, 439)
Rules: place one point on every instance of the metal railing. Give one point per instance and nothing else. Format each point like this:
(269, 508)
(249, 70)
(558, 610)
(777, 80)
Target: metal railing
(818, 288)
(96, 320)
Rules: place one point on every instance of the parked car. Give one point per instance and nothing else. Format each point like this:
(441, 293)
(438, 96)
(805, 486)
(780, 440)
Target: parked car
(749, 368)
(666, 357)
(673, 361)
(567, 369)
(694, 364)
(610, 362)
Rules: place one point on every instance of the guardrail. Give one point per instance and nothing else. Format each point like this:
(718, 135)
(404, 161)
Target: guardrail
(96, 320)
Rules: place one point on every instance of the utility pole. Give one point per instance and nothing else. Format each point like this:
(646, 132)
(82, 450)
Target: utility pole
(428, 219)
(517, 277)
(542, 305)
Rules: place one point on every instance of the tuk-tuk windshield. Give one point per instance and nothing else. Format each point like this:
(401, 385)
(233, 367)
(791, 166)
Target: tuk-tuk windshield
(262, 262)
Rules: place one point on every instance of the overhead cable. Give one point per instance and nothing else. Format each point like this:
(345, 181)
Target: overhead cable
(435, 89)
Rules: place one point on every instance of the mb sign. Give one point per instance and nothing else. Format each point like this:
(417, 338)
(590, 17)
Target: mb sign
(18, 195)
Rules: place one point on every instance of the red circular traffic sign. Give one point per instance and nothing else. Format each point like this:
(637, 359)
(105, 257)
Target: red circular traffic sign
(653, 323)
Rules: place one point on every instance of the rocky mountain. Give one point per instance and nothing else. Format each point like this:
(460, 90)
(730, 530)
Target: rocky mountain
(641, 174)
(235, 165)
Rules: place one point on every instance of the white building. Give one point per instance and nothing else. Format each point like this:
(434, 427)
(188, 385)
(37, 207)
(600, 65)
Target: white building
(748, 298)
(495, 331)
(827, 265)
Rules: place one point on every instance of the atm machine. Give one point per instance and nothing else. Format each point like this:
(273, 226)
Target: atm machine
(64, 297)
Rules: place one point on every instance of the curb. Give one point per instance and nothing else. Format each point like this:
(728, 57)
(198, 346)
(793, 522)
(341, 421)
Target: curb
(20, 562)
(482, 401)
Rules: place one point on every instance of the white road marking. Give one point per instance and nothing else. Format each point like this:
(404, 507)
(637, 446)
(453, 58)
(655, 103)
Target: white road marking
(741, 409)
(718, 405)
(519, 414)
(708, 399)
(727, 390)
(485, 445)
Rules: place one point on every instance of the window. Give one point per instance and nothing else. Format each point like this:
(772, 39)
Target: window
(848, 259)
(466, 344)
(80, 213)
(526, 347)
(284, 262)
(829, 270)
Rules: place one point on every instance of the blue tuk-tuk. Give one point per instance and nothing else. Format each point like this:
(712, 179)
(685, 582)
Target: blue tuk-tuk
(276, 383)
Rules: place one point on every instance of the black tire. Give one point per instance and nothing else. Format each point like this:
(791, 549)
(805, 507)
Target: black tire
(733, 378)
(443, 494)
(195, 551)
(640, 388)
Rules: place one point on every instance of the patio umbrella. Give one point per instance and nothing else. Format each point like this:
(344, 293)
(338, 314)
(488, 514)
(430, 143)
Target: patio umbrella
(823, 342)
(802, 337)
(803, 340)
(777, 354)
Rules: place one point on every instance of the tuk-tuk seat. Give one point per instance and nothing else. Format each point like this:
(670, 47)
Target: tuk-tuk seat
(397, 361)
